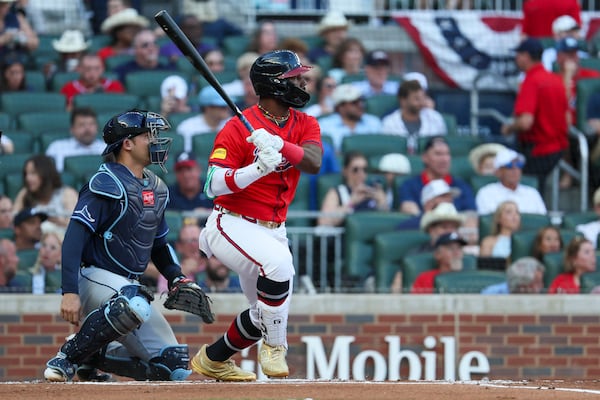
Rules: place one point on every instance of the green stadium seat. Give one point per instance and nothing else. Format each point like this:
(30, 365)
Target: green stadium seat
(224, 77)
(361, 228)
(12, 163)
(381, 104)
(177, 118)
(589, 281)
(375, 144)
(572, 219)
(312, 41)
(389, 250)
(23, 141)
(585, 89)
(36, 80)
(13, 182)
(27, 258)
(202, 145)
(107, 102)
(82, 167)
(16, 103)
(147, 83)
(414, 265)
(450, 121)
(174, 220)
(60, 79)
(46, 138)
(349, 78)
(301, 202)
(235, 46)
(53, 282)
(324, 183)
(7, 233)
(461, 167)
(554, 266)
(98, 41)
(114, 61)
(522, 242)
(38, 122)
(5, 121)
(22, 281)
(467, 281)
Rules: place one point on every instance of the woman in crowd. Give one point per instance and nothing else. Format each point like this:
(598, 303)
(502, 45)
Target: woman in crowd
(264, 39)
(348, 59)
(505, 222)
(43, 188)
(13, 75)
(580, 258)
(546, 241)
(46, 274)
(354, 194)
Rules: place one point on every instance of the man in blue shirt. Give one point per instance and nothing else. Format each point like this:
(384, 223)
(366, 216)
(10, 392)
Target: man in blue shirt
(436, 160)
(187, 194)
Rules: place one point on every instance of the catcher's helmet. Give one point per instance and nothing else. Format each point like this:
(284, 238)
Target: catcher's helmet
(135, 122)
(269, 75)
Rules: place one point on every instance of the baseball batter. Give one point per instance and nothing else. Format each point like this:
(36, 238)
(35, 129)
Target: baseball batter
(118, 225)
(253, 179)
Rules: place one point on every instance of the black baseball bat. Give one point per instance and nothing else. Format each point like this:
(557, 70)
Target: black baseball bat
(174, 32)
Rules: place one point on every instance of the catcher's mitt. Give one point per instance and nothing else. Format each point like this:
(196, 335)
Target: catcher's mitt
(185, 295)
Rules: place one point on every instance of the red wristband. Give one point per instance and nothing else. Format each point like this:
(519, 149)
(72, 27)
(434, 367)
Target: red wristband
(230, 181)
(292, 152)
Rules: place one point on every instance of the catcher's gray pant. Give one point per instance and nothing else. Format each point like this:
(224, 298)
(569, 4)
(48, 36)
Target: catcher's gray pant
(97, 286)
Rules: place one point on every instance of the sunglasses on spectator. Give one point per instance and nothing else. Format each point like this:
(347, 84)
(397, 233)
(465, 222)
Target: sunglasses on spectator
(145, 45)
(356, 170)
(514, 164)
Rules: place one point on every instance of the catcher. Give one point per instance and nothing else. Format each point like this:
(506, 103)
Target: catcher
(117, 227)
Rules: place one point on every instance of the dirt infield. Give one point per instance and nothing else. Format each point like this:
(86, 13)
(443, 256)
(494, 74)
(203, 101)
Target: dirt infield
(292, 389)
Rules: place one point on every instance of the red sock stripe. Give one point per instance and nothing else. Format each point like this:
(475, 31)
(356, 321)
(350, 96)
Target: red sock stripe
(270, 302)
(235, 335)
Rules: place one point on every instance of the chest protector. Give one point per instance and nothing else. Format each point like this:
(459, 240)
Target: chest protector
(129, 235)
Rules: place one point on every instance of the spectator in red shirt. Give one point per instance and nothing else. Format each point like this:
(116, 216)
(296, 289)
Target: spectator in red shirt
(540, 113)
(538, 15)
(580, 258)
(91, 80)
(448, 255)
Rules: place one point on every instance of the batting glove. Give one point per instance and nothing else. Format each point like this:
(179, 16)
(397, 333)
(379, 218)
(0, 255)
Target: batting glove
(268, 160)
(263, 139)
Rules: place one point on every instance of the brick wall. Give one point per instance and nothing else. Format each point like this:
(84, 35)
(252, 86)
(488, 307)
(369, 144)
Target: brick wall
(521, 337)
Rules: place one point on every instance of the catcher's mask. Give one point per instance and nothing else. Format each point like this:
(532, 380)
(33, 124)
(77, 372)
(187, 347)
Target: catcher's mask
(135, 122)
(269, 75)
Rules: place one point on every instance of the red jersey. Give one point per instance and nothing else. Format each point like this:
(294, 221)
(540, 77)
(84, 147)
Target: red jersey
(564, 284)
(73, 88)
(543, 95)
(269, 197)
(425, 282)
(538, 15)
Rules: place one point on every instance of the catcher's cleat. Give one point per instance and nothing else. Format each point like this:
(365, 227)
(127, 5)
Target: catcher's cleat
(272, 361)
(220, 370)
(59, 369)
(87, 373)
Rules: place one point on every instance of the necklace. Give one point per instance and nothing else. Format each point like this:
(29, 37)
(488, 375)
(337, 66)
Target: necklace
(274, 118)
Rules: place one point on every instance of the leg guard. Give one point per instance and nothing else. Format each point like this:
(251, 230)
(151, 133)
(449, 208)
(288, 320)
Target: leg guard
(170, 365)
(273, 307)
(121, 315)
(130, 367)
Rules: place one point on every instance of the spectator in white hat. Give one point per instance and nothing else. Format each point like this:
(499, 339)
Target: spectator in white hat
(174, 96)
(482, 158)
(591, 229)
(434, 193)
(213, 114)
(562, 27)
(349, 117)
(70, 47)
(333, 29)
(509, 165)
(122, 28)
(422, 79)
(393, 165)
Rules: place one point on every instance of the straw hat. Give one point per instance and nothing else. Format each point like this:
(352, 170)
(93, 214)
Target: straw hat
(443, 212)
(71, 41)
(128, 16)
(482, 150)
(333, 20)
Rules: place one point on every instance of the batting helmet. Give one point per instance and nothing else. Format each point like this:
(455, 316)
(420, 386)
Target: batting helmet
(135, 122)
(269, 75)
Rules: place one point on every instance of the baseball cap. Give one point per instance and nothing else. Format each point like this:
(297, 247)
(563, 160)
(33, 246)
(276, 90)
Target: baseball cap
(416, 76)
(530, 45)
(208, 96)
(185, 160)
(435, 188)
(345, 93)
(175, 83)
(448, 238)
(506, 157)
(27, 213)
(395, 162)
(432, 141)
(564, 23)
(377, 57)
(567, 45)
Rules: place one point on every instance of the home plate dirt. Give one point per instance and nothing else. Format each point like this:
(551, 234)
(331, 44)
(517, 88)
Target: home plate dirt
(292, 389)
